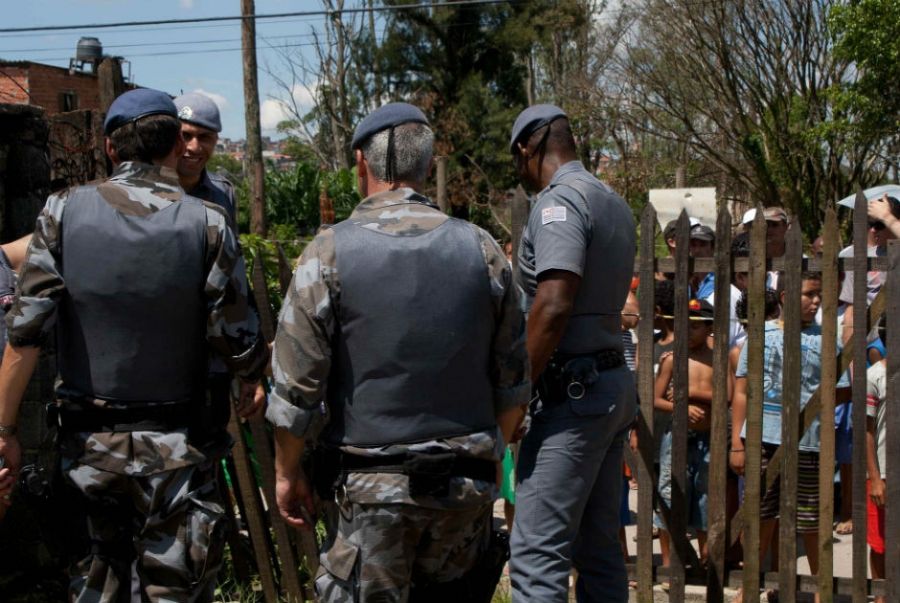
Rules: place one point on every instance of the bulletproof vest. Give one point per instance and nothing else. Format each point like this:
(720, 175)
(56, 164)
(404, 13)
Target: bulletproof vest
(595, 323)
(132, 320)
(412, 348)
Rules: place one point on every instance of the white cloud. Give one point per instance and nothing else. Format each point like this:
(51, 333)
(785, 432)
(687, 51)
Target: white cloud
(220, 100)
(188, 4)
(273, 111)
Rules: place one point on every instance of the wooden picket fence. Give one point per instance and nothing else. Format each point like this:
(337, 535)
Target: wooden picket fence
(723, 531)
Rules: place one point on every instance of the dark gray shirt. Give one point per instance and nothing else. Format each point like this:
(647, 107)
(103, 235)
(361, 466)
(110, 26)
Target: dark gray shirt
(217, 189)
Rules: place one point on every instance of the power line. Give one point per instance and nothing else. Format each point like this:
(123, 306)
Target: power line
(312, 13)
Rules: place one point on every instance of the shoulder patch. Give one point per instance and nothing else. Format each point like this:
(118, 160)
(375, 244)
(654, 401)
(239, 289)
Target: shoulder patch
(553, 214)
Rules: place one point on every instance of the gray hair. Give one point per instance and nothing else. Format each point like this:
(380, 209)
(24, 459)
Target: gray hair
(413, 149)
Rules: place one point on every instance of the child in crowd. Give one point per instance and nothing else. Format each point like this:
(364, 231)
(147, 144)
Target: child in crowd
(808, 459)
(700, 387)
(876, 455)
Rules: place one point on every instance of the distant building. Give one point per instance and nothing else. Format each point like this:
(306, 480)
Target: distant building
(60, 89)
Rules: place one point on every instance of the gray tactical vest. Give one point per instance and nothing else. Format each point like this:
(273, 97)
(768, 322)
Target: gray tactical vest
(595, 323)
(412, 347)
(132, 320)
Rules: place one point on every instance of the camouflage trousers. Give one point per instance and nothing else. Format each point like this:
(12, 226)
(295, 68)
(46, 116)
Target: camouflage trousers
(379, 548)
(154, 538)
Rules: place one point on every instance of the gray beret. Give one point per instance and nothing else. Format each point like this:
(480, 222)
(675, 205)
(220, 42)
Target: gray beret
(199, 109)
(135, 104)
(532, 119)
(386, 116)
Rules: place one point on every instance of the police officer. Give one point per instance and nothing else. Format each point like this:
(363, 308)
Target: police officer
(138, 278)
(575, 264)
(402, 326)
(200, 127)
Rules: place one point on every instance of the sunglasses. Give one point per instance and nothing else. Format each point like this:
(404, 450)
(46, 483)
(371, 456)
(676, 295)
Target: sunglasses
(877, 225)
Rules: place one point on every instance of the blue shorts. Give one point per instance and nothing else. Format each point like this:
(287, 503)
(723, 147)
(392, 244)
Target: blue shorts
(697, 478)
(843, 434)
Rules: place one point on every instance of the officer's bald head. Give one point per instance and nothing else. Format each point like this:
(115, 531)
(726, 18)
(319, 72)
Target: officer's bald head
(555, 138)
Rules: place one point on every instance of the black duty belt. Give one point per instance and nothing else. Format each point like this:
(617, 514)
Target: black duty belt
(568, 376)
(70, 416)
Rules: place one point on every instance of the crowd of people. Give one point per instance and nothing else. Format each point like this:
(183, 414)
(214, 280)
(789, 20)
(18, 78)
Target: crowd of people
(403, 357)
(883, 215)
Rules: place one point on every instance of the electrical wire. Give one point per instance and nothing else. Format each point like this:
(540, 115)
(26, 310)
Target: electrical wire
(258, 17)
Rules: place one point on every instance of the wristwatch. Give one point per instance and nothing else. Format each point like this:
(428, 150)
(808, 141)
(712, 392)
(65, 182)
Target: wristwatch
(8, 430)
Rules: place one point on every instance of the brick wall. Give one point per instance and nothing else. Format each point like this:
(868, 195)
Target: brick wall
(45, 85)
(14, 85)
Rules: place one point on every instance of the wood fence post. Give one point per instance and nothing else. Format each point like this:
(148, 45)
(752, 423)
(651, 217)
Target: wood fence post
(892, 510)
(646, 475)
(753, 436)
(718, 453)
(292, 589)
(677, 524)
(790, 411)
(860, 330)
(829, 380)
(442, 202)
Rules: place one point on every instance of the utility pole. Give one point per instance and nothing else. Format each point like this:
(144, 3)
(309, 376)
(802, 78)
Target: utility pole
(253, 158)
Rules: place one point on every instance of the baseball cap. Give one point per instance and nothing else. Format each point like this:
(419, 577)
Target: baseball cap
(770, 213)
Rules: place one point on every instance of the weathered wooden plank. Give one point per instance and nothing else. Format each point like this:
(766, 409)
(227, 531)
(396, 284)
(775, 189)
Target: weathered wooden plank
(677, 524)
(646, 475)
(810, 584)
(285, 271)
(790, 411)
(719, 436)
(892, 510)
(293, 589)
(829, 379)
(253, 510)
(753, 440)
(860, 330)
(240, 561)
(261, 293)
(704, 265)
(441, 196)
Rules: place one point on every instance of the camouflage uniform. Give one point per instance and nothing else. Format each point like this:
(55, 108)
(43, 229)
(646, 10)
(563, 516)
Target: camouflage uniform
(385, 536)
(152, 497)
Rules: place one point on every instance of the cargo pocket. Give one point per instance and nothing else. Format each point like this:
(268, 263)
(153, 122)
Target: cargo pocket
(337, 565)
(205, 541)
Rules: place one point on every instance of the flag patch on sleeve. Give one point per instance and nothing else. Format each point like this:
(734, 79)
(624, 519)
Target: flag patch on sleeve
(553, 214)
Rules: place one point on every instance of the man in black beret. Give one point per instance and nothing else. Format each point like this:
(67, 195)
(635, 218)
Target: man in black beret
(138, 279)
(402, 326)
(575, 264)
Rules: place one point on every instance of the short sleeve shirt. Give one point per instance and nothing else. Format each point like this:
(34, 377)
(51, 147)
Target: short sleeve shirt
(810, 378)
(876, 394)
(555, 237)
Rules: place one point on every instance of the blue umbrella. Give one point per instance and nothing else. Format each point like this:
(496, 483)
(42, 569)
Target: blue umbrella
(876, 192)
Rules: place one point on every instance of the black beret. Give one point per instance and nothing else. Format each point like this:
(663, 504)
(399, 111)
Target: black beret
(136, 104)
(532, 119)
(386, 116)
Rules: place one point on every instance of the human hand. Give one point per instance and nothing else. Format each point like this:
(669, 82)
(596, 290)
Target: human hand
(251, 399)
(880, 209)
(737, 458)
(294, 500)
(696, 415)
(877, 491)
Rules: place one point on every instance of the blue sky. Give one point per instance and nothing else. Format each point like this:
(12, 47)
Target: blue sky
(178, 65)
